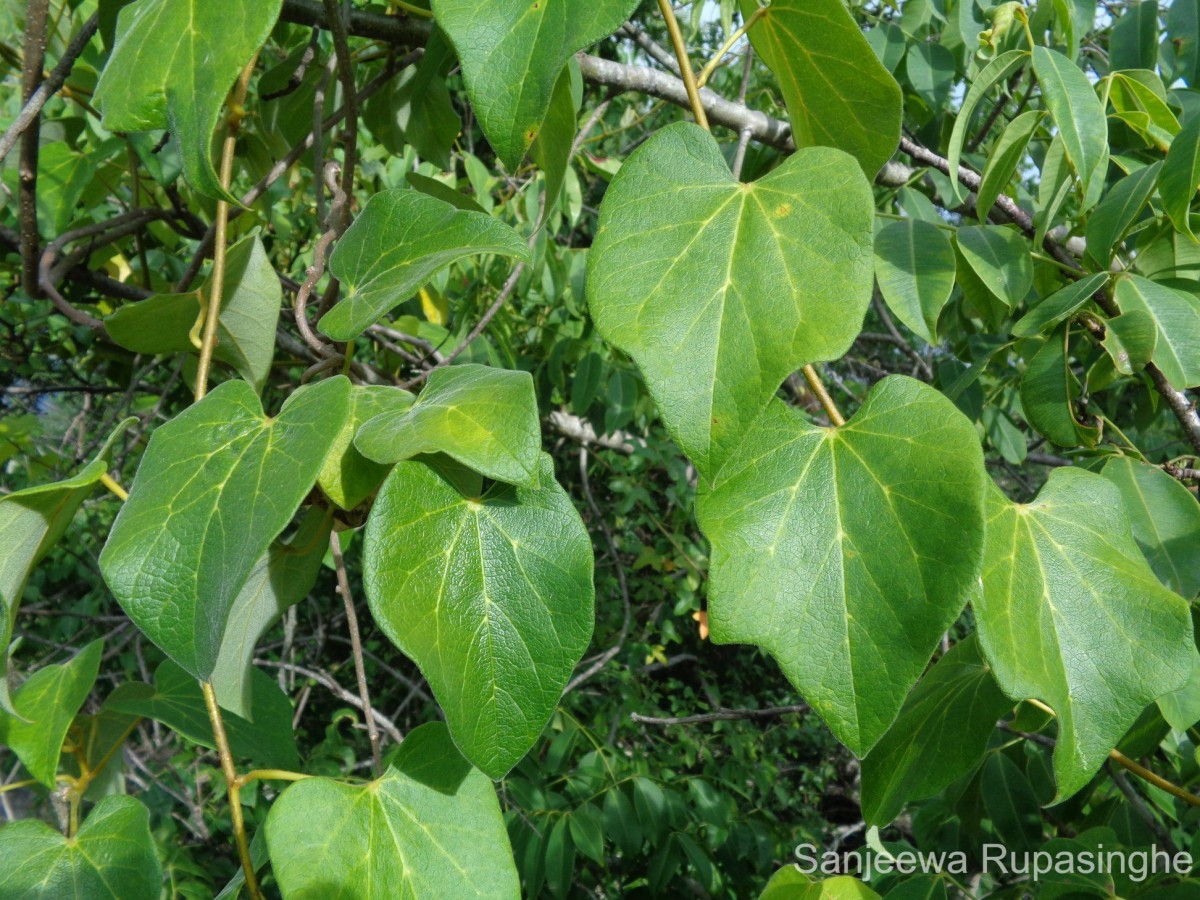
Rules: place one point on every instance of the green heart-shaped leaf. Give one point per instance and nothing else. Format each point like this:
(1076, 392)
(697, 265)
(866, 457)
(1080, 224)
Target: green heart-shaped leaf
(398, 242)
(846, 553)
(512, 52)
(250, 308)
(430, 827)
(837, 92)
(485, 418)
(1071, 614)
(112, 857)
(491, 595)
(172, 65)
(719, 290)
(218, 483)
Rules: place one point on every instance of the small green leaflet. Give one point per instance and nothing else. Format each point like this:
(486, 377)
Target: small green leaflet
(915, 265)
(281, 578)
(252, 298)
(1130, 339)
(837, 92)
(112, 857)
(1111, 218)
(1166, 521)
(217, 484)
(999, 256)
(1060, 305)
(1004, 159)
(490, 594)
(347, 477)
(512, 52)
(552, 149)
(397, 243)
(1049, 392)
(175, 700)
(485, 418)
(1071, 614)
(45, 706)
(846, 553)
(1133, 43)
(789, 883)
(1177, 315)
(939, 736)
(994, 73)
(31, 522)
(719, 290)
(151, 82)
(430, 827)
(1076, 111)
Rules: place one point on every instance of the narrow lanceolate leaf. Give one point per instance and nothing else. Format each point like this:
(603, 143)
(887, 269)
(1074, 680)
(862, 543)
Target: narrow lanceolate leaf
(175, 700)
(719, 290)
(999, 256)
(992, 75)
(430, 827)
(489, 593)
(281, 578)
(1119, 209)
(552, 149)
(1004, 159)
(1166, 521)
(1076, 111)
(940, 735)
(112, 857)
(45, 706)
(1060, 305)
(31, 522)
(837, 92)
(218, 483)
(172, 65)
(847, 552)
(512, 52)
(485, 418)
(1071, 614)
(915, 265)
(347, 477)
(398, 242)
(1181, 175)
(1177, 315)
(250, 305)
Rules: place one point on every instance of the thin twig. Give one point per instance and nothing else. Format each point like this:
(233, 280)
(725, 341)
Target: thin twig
(36, 12)
(722, 715)
(356, 650)
(335, 12)
(340, 692)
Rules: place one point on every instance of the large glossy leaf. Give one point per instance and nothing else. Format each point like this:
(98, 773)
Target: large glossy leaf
(250, 305)
(719, 290)
(914, 265)
(837, 92)
(398, 242)
(1000, 258)
(1076, 111)
(512, 52)
(430, 827)
(347, 477)
(218, 483)
(847, 552)
(485, 418)
(31, 522)
(1133, 43)
(490, 594)
(172, 65)
(1109, 221)
(1177, 315)
(1071, 614)
(940, 735)
(1165, 518)
(281, 578)
(175, 700)
(45, 705)
(112, 857)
